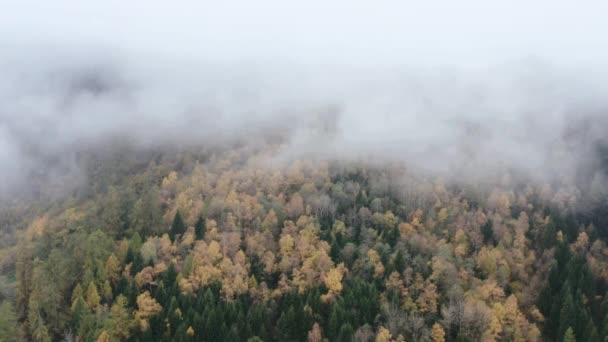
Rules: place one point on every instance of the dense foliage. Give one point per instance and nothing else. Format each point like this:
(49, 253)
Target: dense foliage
(210, 247)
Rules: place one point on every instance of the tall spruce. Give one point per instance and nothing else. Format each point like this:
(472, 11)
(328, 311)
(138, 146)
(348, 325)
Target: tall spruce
(177, 227)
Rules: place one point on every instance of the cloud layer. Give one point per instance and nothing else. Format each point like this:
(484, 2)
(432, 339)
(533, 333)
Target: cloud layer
(459, 91)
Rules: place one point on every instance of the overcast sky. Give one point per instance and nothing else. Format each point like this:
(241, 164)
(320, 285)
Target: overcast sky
(361, 32)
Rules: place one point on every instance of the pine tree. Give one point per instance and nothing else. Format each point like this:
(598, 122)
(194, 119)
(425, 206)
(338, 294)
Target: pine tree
(177, 227)
(488, 232)
(569, 335)
(567, 314)
(8, 321)
(335, 319)
(200, 228)
(79, 310)
(288, 325)
(39, 331)
(398, 263)
(346, 333)
(121, 322)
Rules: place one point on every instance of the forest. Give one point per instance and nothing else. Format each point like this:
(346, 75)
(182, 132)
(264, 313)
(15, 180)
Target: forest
(319, 171)
(208, 244)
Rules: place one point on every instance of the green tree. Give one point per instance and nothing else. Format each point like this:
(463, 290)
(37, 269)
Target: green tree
(38, 329)
(288, 326)
(346, 333)
(177, 227)
(8, 322)
(200, 227)
(488, 232)
(569, 335)
(79, 310)
(121, 321)
(398, 263)
(147, 214)
(568, 313)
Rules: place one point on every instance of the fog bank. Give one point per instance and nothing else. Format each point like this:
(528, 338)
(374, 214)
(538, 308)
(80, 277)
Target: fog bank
(463, 90)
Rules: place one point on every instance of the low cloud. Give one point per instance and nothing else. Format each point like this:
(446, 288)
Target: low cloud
(341, 85)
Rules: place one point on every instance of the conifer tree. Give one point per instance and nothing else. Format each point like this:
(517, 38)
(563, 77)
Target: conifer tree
(569, 335)
(177, 227)
(200, 227)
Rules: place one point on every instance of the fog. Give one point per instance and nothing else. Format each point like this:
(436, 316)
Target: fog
(462, 90)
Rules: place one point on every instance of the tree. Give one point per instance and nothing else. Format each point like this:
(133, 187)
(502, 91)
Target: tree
(437, 333)
(383, 335)
(103, 337)
(79, 310)
(333, 281)
(112, 212)
(93, 298)
(569, 335)
(112, 268)
(295, 207)
(346, 333)
(23, 270)
(147, 307)
(488, 232)
(120, 322)
(77, 292)
(200, 227)
(398, 263)
(147, 214)
(568, 312)
(177, 227)
(8, 322)
(38, 329)
(314, 335)
(270, 221)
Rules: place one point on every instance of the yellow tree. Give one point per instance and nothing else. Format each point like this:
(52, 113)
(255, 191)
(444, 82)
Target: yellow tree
(384, 335)
(437, 333)
(147, 307)
(374, 260)
(112, 268)
(270, 221)
(103, 337)
(333, 281)
(93, 298)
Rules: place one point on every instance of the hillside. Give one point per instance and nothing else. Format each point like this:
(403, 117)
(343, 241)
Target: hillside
(200, 244)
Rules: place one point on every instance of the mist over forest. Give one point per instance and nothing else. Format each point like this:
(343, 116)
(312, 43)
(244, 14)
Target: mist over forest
(287, 172)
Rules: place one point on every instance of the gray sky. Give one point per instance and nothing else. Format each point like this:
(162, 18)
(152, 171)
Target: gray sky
(360, 32)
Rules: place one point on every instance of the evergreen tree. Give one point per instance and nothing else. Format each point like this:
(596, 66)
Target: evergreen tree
(488, 232)
(568, 313)
(569, 335)
(346, 333)
(398, 263)
(288, 325)
(334, 322)
(8, 322)
(177, 227)
(38, 329)
(200, 228)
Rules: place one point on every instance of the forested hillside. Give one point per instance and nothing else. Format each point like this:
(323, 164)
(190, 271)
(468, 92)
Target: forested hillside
(234, 245)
